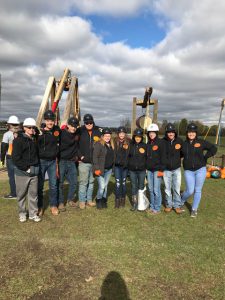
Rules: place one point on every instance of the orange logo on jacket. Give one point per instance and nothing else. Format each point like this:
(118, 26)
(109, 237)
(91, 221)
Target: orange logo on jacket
(56, 133)
(177, 146)
(197, 145)
(142, 150)
(125, 146)
(96, 138)
(154, 148)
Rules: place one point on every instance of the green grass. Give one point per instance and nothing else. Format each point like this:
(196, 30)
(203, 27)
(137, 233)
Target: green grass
(123, 255)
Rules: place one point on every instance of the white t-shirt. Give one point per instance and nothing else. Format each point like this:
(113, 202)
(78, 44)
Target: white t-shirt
(8, 138)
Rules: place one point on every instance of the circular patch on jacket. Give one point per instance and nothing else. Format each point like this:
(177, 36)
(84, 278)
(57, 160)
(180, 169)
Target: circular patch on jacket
(96, 138)
(56, 133)
(197, 145)
(154, 148)
(141, 150)
(125, 146)
(177, 146)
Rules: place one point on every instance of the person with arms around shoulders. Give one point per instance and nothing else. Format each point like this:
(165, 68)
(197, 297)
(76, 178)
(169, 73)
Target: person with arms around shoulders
(155, 167)
(25, 159)
(88, 134)
(68, 156)
(137, 165)
(103, 161)
(48, 148)
(195, 152)
(6, 153)
(122, 145)
(172, 173)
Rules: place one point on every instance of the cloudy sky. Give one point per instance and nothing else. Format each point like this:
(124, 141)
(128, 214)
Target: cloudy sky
(116, 49)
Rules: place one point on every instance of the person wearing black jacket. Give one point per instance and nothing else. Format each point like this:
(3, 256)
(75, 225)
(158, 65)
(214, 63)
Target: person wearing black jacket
(48, 148)
(196, 152)
(122, 145)
(103, 162)
(68, 155)
(155, 166)
(137, 165)
(172, 172)
(88, 134)
(25, 159)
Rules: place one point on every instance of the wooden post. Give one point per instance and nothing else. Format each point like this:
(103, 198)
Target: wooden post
(69, 101)
(133, 125)
(155, 112)
(45, 100)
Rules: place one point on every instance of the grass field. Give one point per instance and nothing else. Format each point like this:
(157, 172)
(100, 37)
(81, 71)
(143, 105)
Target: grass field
(115, 254)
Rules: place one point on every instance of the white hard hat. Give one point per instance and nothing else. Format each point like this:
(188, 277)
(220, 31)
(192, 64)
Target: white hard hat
(13, 120)
(29, 122)
(152, 127)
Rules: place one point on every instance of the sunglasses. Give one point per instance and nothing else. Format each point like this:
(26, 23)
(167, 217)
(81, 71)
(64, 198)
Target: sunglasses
(88, 123)
(30, 127)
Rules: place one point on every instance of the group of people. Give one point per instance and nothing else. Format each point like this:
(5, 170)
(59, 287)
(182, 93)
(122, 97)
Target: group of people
(81, 154)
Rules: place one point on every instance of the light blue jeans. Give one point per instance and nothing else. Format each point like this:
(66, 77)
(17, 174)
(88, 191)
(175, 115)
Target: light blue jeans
(86, 182)
(103, 181)
(154, 186)
(172, 181)
(194, 182)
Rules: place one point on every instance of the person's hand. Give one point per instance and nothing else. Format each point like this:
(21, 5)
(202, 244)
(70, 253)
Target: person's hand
(98, 172)
(160, 174)
(2, 164)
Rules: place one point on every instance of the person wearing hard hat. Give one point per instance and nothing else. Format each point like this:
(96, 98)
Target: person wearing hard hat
(172, 172)
(68, 156)
(122, 145)
(155, 167)
(6, 153)
(48, 148)
(25, 159)
(103, 161)
(137, 165)
(195, 152)
(88, 134)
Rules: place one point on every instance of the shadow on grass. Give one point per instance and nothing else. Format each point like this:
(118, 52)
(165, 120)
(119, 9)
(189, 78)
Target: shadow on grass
(114, 287)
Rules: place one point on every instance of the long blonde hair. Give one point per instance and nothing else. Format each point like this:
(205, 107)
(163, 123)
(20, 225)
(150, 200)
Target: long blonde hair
(103, 142)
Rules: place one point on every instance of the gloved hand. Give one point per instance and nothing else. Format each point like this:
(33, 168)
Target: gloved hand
(160, 174)
(98, 172)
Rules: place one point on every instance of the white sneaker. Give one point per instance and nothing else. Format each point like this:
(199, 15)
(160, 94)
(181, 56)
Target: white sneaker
(22, 219)
(35, 218)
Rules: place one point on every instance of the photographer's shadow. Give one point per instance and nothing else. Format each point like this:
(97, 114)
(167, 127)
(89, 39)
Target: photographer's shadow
(114, 288)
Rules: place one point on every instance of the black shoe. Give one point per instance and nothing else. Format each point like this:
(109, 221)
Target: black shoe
(134, 207)
(104, 203)
(117, 203)
(194, 213)
(9, 197)
(99, 203)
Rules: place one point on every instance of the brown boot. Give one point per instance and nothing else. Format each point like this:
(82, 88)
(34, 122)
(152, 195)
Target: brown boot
(168, 209)
(54, 211)
(61, 207)
(117, 203)
(40, 212)
(178, 210)
(91, 203)
(122, 202)
(73, 204)
(82, 205)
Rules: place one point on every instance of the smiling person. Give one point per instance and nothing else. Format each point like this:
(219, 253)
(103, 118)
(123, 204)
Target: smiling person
(103, 161)
(48, 147)
(172, 172)
(25, 159)
(88, 134)
(196, 152)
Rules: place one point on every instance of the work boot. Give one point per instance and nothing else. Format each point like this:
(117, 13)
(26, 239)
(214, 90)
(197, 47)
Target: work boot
(168, 209)
(117, 203)
(104, 202)
(61, 207)
(90, 204)
(82, 205)
(134, 203)
(99, 203)
(178, 210)
(122, 202)
(54, 211)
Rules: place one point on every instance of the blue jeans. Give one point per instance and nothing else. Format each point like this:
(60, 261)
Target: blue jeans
(194, 182)
(103, 181)
(172, 181)
(154, 186)
(86, 182)
(68, 171)
(120, 176)
(137, 181)
(11, 174)
(48, 166)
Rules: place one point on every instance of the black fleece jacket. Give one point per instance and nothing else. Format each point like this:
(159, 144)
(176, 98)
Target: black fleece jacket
(121, 152)
(173, 153)
(196, 153)
(68, 148)
(156, 155)
(137, 156)
(48, 143)
(25, 152)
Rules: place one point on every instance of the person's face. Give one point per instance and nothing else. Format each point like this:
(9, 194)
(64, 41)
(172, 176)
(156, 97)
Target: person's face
(107, 137)
(29, 130)
(71, 129)
(14, 127)
(171, 135)
(49, 124)
(137, 139)
(152, 135)
(89, 125)
(121, 135)
(191, 135)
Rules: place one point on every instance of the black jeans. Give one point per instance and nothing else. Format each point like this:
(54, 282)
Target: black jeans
(137, 181)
